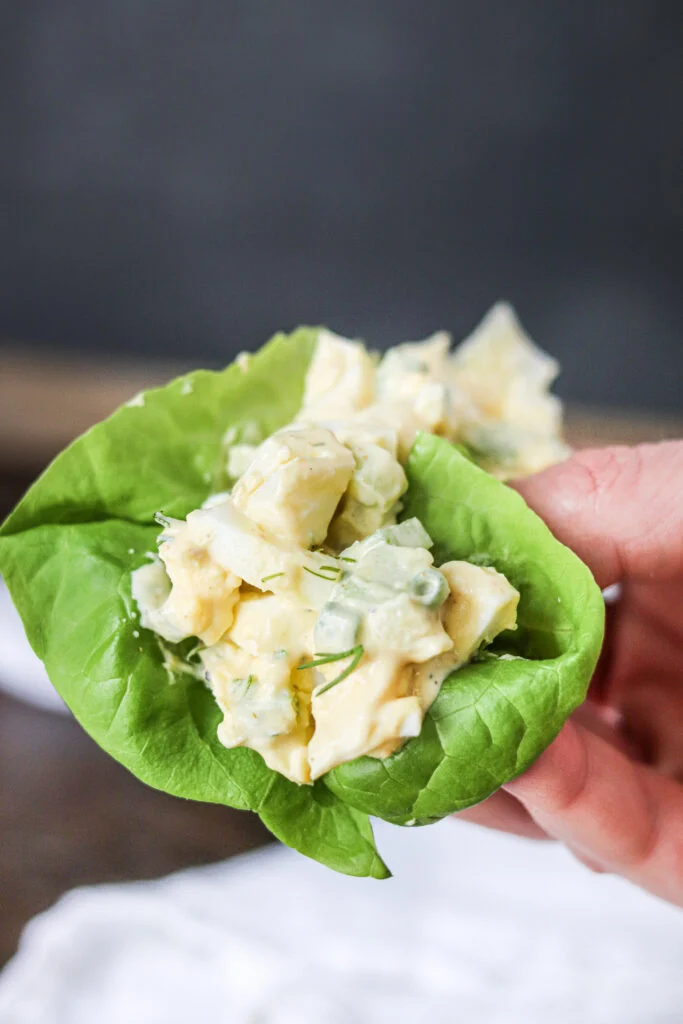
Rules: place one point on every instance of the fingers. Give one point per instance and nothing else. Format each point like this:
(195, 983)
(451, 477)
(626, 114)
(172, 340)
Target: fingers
(647, 679)
(502, 812)
(653, 715)
(620, 509)
(604, 721)
(616, 814)
(587, 861)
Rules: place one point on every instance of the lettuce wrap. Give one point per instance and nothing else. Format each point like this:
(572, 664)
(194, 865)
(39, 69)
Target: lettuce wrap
(68, 549)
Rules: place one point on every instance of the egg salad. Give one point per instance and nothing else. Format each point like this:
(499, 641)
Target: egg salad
(324, 628)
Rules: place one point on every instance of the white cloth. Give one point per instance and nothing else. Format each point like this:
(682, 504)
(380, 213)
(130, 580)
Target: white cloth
(475, 927)
(21, 672)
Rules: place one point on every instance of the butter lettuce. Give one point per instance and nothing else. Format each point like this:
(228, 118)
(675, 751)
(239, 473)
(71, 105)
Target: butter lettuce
(68, 549)
(493, 717)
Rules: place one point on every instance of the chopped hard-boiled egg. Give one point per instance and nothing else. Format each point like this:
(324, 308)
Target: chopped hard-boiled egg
(190, 594)
(341, 378)
(382, 592)
(372, 496)
(294, 484)
(254, 676)
(151, 587)
(203, 594)
(364, 431)
(372, 706)
(492, 393)
(261, 706)
(413, 390)
(482, 603)
(506, 375)
(406, 627)
(405, 369)
(242, 547)
(253, 689)
(326, 628)
(516, 423)
(268, 624)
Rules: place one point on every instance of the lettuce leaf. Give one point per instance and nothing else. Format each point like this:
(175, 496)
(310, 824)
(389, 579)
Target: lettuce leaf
(494, 717)
(68, 549)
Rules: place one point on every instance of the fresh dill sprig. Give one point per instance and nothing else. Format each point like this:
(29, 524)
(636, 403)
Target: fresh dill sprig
(193, 653)
(355, 653)
(332, 568)
(248, 682)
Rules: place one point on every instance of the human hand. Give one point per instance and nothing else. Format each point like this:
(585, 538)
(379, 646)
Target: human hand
(611, 785)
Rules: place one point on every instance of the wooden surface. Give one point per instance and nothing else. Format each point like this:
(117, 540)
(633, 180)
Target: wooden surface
(45, 402)
(68, 814)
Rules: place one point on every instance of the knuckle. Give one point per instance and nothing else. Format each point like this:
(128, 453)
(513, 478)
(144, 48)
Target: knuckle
(637, 850)
(640, 845)
(558, 781)
(571, 785)
(570, 791)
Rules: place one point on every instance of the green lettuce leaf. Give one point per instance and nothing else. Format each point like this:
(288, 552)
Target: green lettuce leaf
(67, 552)
(68, 549)
(494, 717)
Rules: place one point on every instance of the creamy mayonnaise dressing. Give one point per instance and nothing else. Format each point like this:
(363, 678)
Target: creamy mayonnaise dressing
(326, 629)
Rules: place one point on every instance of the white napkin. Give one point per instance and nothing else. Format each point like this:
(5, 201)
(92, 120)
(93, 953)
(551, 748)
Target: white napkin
(474, 927)
(21, 672)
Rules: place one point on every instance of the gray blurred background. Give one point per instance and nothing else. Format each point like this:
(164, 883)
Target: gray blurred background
(181, 179)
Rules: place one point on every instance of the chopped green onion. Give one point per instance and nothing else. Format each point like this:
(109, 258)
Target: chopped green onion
(429, 587)
(356, 653)
(344, 558)
(264, 579)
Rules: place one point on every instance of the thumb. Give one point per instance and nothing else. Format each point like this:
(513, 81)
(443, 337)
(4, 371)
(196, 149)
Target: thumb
(620, 509)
